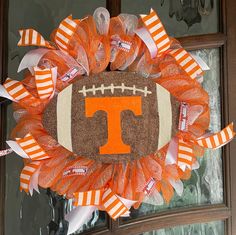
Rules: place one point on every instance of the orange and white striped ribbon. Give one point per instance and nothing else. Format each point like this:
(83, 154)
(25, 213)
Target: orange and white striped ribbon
(64, 32)
(219, 139)
(32, 148)
(113, 205)
(27, 173)
(44, 82)
(16, 90)
(30, 37)
(89, 198)
(185, 155)
(156, 30)
(186, 61)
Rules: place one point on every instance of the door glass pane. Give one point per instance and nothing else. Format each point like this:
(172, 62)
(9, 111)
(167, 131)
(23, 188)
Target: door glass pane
(43, 16)
(206, 184)
(39, 214)
(211, 228)
(180, 17)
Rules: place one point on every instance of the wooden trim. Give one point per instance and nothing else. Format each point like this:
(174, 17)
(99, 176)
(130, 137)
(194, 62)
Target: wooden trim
(114, 7)
(3, 66)
(175, 218)
(203, 41)
(230, 104)
(3, 110)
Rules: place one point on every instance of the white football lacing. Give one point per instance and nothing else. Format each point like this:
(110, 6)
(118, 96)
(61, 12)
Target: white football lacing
(112, 88)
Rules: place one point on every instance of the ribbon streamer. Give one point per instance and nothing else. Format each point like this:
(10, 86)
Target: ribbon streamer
(78, 217)
(16, 90)
(5, 152)
(26, 175)
(113, 205)
(89, 198)
(185, 155)
(156, 30)
(32, 58)
(30, 37)
(45, 82)
(30, 146)
(187, 63)
(219, 139)
(157, 34)
(64, 32)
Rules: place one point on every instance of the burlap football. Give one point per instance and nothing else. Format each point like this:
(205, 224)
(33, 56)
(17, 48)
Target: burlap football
(112, 116)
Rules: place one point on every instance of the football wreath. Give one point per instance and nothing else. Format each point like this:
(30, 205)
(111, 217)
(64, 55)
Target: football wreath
(111, 111)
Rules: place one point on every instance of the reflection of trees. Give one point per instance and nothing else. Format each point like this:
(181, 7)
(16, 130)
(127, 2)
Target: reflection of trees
(190, 11)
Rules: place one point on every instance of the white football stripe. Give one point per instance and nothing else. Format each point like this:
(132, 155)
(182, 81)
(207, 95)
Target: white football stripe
(165, 116)
(64, 118)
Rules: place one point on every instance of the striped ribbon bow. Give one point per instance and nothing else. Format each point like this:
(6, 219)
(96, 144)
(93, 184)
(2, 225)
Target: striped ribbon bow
(109, 200)
(16, 91)
(30, 37)
(185, 155)
(217, 140)
(45, 80)
(29, 149)
(35, 152)
(157, 41)
(64, 33)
